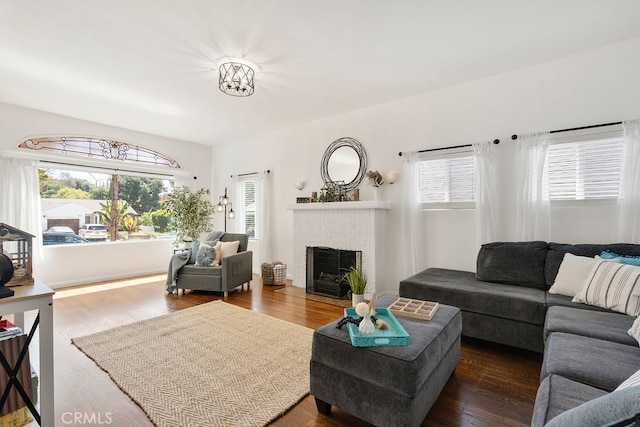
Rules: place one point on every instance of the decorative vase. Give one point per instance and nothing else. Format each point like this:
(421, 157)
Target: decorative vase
(366, 325)
(356, 298)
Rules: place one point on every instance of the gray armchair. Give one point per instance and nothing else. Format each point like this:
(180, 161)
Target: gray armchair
(233, 271)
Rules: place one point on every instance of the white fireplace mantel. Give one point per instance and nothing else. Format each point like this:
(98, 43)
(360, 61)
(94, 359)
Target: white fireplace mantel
(340, 205)
(357, 226)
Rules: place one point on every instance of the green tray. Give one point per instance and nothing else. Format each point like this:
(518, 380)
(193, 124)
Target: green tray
(394, 335)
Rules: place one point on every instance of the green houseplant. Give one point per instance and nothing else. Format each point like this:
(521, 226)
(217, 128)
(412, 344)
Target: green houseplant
(191, 213)
(357, 282)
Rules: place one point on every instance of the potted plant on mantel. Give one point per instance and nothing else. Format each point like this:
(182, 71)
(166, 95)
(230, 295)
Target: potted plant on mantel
(358, 284)
(191, 213)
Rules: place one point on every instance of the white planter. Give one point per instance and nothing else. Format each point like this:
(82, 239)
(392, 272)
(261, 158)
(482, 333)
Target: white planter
(356, 298)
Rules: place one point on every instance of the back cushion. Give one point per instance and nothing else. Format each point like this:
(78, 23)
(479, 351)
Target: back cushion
(514, 263)
(557, 250)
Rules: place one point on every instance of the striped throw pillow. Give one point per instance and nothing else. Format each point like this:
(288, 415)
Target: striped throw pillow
(632, 381)
(613, 286)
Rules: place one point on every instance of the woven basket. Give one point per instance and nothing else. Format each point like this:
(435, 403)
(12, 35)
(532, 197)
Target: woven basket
(280, 274)
(267, 273)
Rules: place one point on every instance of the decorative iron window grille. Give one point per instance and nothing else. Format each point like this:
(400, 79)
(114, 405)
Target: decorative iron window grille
(100, 147)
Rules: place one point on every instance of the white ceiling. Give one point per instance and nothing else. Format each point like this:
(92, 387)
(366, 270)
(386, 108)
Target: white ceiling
(149, 65)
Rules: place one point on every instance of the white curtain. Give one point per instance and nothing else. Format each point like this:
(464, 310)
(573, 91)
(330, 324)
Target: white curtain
(413, 234)
(263, 212)
(487, 202)
(532, 202)
(263, 207)
(629, 199)
(20, 198)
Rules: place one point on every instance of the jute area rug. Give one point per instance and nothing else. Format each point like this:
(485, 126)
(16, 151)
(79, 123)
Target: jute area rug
(211, 365)
(302, 293)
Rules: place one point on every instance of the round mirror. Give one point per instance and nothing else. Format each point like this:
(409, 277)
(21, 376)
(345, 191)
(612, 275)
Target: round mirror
(344, 162)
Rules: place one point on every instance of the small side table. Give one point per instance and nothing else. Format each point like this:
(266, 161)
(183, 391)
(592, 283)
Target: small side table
(37, 297)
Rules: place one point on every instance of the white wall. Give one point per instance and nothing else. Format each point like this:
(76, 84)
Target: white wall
(599, 86)
(68, 265)
(71, 265)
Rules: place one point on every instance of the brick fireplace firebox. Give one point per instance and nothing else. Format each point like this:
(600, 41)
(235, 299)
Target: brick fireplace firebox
(326, 268)
(353, 226)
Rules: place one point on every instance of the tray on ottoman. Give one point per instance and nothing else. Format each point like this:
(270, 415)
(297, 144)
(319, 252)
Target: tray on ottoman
(416, 308)
(394, 335)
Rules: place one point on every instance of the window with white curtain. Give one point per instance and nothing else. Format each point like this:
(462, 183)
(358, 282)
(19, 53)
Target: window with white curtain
(248, 211)
(585, 165)
(447, 179)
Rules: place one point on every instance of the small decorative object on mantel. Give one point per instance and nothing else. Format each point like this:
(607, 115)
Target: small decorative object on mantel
(332, 192)
(17, 246)
(375, 178)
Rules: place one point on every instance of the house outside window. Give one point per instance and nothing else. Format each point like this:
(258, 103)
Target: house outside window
(76, 199)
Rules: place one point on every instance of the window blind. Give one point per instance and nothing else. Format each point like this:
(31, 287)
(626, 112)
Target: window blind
(585, 167)
(447, 179)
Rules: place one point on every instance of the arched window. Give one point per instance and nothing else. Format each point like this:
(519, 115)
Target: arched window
(100, 148)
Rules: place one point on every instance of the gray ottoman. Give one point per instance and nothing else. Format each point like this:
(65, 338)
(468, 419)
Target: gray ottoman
(386, 386)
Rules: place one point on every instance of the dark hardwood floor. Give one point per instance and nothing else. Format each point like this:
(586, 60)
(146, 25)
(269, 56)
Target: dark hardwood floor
(493, 385)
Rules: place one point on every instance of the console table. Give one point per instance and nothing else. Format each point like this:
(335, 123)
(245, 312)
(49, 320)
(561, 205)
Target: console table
(37, 297)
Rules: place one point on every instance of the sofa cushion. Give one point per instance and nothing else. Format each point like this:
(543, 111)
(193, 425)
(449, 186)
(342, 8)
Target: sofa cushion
(198, 270)
(513, 263)
(557, 394)
(614, 286)
(572, 274)
(620, 408)
(608, 326)
(589, 360)
(565, 301)
(462, 290)
(556, 252)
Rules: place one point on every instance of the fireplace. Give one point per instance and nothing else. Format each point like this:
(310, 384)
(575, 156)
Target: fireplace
(357, 226)
(326, 268)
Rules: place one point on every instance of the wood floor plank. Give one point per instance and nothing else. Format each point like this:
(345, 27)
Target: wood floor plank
(493, 385)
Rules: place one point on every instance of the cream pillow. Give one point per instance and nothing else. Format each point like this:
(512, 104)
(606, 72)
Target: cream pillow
(229, 248)
(572, 273)
(218, 249)
(224, 249)
(634, 331)
(614, 286)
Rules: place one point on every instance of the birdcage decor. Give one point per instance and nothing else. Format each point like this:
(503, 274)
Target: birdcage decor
(18, 246)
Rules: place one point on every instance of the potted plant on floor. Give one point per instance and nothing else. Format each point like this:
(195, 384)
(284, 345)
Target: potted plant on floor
(191, 213)
(358, 283)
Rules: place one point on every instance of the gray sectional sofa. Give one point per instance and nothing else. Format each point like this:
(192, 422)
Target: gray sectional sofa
(506, 299)
(587, 351)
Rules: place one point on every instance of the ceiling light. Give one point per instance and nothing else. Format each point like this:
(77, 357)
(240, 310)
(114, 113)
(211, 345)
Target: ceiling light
(236, 77)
